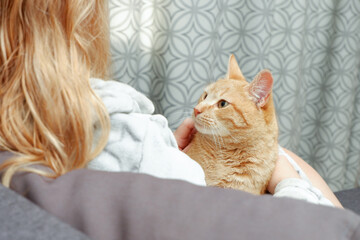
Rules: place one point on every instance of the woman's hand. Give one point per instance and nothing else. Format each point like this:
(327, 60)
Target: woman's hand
(184, 134)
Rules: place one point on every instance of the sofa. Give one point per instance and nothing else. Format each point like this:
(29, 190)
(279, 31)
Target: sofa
(88, 204)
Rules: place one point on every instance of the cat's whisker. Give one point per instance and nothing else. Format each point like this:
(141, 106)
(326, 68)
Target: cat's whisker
(208, 120)
(211, 128)
(214, 137)
(219, 127)
(218, 144)
(221, 141)
(218, 139)
(224, 129)
(217, 133)
(220, 150)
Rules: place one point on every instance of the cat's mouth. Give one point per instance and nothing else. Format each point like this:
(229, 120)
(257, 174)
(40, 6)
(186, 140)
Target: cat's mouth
(200, 128)
(209, 128)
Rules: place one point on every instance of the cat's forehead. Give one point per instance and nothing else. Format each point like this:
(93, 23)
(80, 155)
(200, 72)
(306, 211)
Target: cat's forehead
(225, 87)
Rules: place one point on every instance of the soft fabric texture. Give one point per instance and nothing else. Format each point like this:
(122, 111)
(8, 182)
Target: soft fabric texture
(139, 141)
(350, 199)
(301, 189)
(107, 205)
(21, 219)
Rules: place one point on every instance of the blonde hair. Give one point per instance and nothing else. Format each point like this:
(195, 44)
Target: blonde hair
(48, 111)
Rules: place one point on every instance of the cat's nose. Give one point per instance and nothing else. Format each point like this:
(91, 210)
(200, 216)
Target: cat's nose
(196, 111)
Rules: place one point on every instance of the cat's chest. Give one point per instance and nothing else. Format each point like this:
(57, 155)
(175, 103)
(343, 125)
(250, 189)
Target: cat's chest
(211, 152)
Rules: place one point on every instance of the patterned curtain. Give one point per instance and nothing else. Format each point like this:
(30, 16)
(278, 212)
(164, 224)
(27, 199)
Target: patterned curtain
(171, 49)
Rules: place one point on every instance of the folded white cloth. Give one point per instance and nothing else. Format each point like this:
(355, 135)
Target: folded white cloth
(140, 141)
(299, 188)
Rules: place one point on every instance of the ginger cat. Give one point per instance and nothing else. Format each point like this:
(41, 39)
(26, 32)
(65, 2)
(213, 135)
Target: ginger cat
(236, 140)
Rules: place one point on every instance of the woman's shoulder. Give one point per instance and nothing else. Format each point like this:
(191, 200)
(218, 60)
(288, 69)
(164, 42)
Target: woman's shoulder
(120, 97)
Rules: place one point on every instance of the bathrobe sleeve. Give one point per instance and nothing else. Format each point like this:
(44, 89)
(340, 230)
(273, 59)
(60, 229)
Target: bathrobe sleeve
(140, 141)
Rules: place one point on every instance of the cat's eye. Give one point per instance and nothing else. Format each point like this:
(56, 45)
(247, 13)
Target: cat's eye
(222, 103)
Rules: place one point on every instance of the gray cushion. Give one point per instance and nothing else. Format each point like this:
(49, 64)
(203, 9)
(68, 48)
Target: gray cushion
(350, 199)
(21, 219)
(135, 206)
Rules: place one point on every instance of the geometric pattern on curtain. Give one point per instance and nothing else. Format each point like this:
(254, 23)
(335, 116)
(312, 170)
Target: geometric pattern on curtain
(171, 49)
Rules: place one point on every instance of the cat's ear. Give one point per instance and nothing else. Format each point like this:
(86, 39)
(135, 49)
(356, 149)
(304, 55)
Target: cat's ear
(234, 71)
(260, 88)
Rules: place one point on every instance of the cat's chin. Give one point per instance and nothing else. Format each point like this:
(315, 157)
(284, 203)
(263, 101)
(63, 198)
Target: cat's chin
(208, 131)
(202, 129)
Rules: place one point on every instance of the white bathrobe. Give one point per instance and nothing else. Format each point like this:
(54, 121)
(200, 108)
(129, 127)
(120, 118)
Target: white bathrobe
(140, 141)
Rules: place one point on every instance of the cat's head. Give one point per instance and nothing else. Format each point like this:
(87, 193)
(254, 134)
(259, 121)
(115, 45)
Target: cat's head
(232, 104)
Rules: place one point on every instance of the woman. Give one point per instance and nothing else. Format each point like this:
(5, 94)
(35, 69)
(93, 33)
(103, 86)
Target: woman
(53, 115)
(49, 50)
